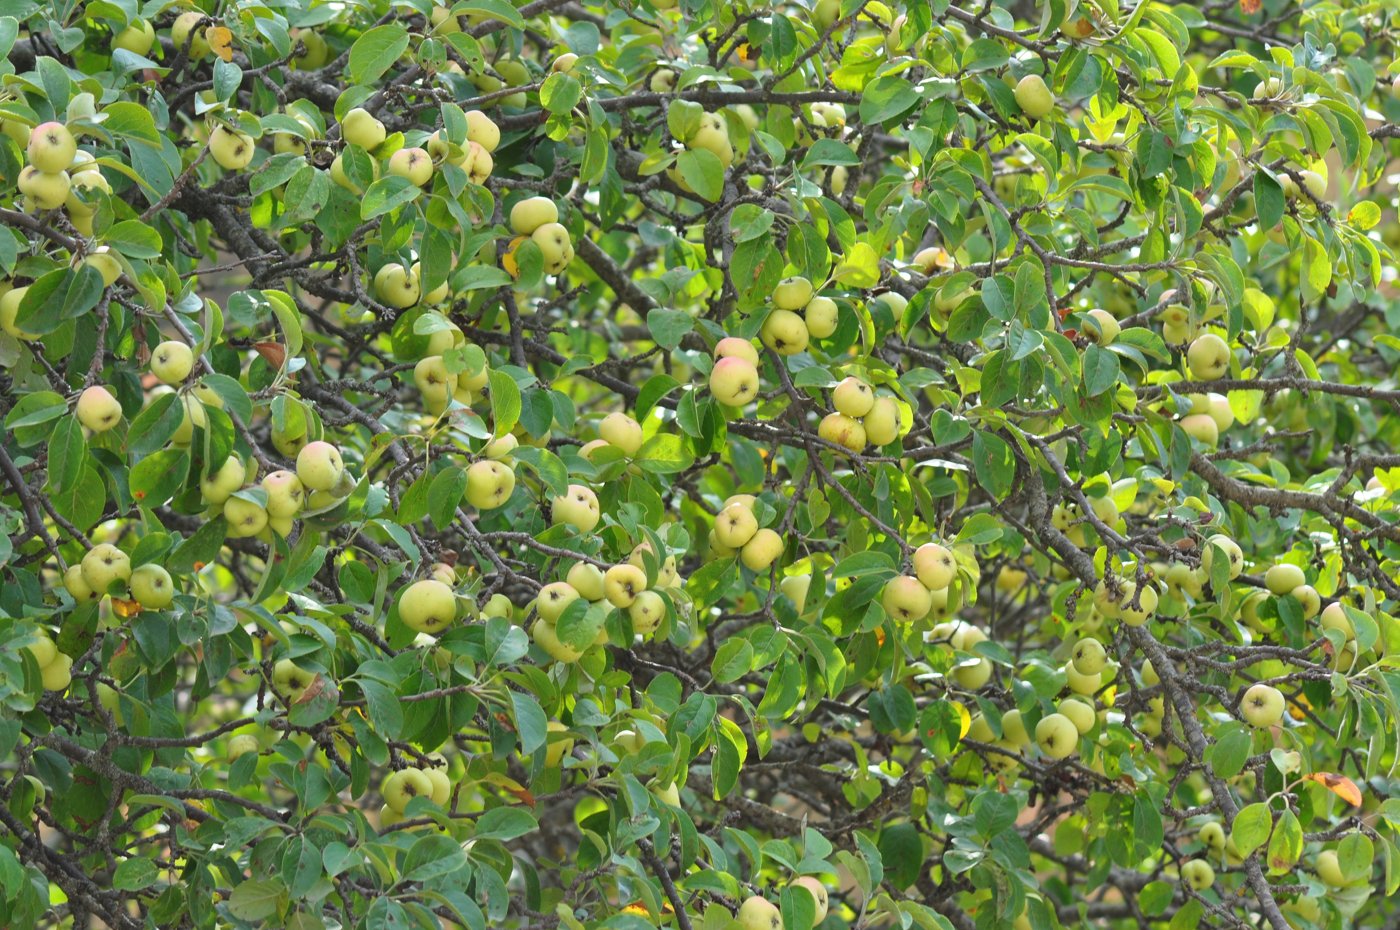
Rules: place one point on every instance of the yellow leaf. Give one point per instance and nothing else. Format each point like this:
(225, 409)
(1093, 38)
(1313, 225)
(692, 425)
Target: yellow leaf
(220, 40)
(1339, 785)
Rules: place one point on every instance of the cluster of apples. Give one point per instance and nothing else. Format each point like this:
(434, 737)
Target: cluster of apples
(400, 787)
(860, 417)
(736, 531)
(758, 913)
(538, 218)
(55, 668)
(439, 384)
(59, 174)
(910, 598)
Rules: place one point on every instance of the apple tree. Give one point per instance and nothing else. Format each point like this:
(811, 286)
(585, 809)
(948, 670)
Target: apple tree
(699, 464)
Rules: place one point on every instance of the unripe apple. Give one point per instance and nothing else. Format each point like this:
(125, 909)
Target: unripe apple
(1308, 599)
(290, 680)
(339, 176)
(76, 585)
(1080, 713)
(58, 674)
(843, 431)
(646, 612)
(412, 163)
(172, 361)
(1081, 683)
(482, 130)
(1208, 357)
(882, 422)
(1106, 325)
(662, 81)
(394, 285)
(1057, 736)
(821, 316)
(735, 525)
(578, 507)
(762, 550)
(233, 150)
(1334, 617)
(184, 29)
(1089, 656)
(401, 787)
(564, 63)
(852, 397)
(557, 749)
(81, 201)
(1146, 599)
(733, 346)
(241, 745)
(490, 484)
(558, 251)
(587, 579)
(359, 127)
(319, 466)
(104, 261)
(531, 213)
(45, 190)
(434, 382)
(935, 566)
(137, 37)
(43, 650)
(245, 518)
(906, 599)
(1218, 409)
(98, 410)
(1202, 428)
(757, 913)
(104, 564)
(796, 588)
(1212, 835)
(1033, 97)
(784, 332)
(792, 293)
(1013, 729)
(713, 137)
(817, 890)
(442, 785)
(51, 147)
(553, 598)
(227, 479)
(1329, 869)
(427, 606)
(622, 583)
(1234, 555)
(734, 381)
(285, 494)
(9, 312)
(1262, 706)
(621, 432)
(1282, 578)
(665, 574)
(1198, 874)
(545, 636)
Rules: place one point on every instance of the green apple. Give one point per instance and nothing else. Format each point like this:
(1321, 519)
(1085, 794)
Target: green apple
(1208, 357)
(245, 518)
(483, 130)
(51, 147)
(1212, 836)
(713, 137)
(359, 127)
(665, 574)
(882, 423)
(498, 606)
(152, 587)
(45, 190)
(735, 525)
(578, 508)
(242, 745)
(1198, 874)
(821, 316)
(76, 585)
(1057, 736)
(1308, 599)
(935, 566)
(587, 579)
(531, 213)
(1233, 553)
(1102, 327)
(1079, 712)
(762, 550)
(906, 599)
(434, 382)
(1329, 869)
(558, 251)
(285, 494)
(557, 749)
(172, 361)
(58, 674)
(105, 262)
(427, 606)
(9, 312)
(662, 81)
(489, 484)
(43, 650)
(553, 599)
(1033, 97)
(1089, 657)
(792, 293)
(784, 332)
(622, 583)
(98, 410)
(1146, 599)
(1282, 578)
(1081, 683)
(545, 636)
(442, 785)
(137, 37)
(796, 588)
(758, 913)
(184, 30)
(647, 611)
(221, 485)
(733, 346)
(104, 564)
(843, 431)
(1202, 428)
(396, 286)
(734, 381)
(1334, 617)
(412, 163)
(621, 432)
(852, 397)
(290, 680)
(1262, 706)
(401, 787)
(319, 466)
(817, 890)
(339, 176)
(1219, 409)
(233, 150)
(1013, 729)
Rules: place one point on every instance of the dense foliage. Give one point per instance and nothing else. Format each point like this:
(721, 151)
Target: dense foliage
(702, 464)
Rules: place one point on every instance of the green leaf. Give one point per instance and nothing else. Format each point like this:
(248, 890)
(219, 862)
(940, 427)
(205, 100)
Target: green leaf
(669, 327)
(386, 195)
(505, 401)
(665, 454)
(886, 98)
(156, 478)
(560, 93)
(1251, 828)
(376, 50)
(434, 856)
(134, 874)
(445, 495)
(993, 463)
(134, 239)
(505, 823)
(860, 267)
(258, 899)
(702, 172)
(1268, 200)
(732, 660)
(1286, 847)
(1100, 370)
(1231, 750)
(68, 454)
